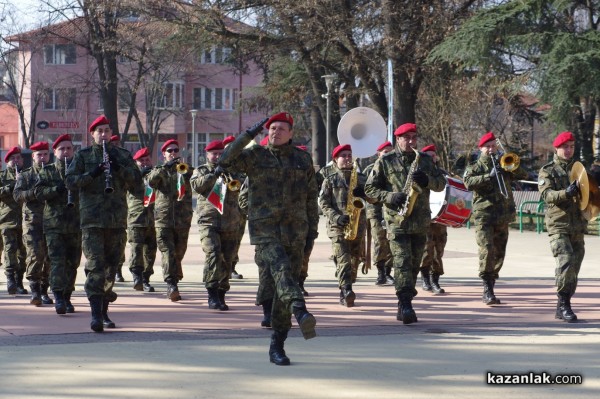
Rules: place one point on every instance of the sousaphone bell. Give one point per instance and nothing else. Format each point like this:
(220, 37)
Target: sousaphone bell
(364, 129)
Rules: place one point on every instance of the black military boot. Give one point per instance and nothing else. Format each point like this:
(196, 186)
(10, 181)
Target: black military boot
(276, 351)
(69, 306)
(11, 284)
(426, 280)
(388, 275)
(267, 307)
(301, 284)
(563, 309)
(46, 300)
(488, 293)
(119, 276)
(173, 292)
(97, 324)
(146, 285)
(108, 323)
(435, 284)
(138, 282)
(221, 294)
(36, 293)
(381, 277)
(213, 298)
(60, 305)
(20, 289)
(236, 275)
(348, 296)
(306, 321)
(406, 313)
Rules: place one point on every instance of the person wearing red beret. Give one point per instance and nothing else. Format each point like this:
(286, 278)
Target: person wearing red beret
(173, 211)
(565, 222)
(11, 224)
(401, 180)
(102, 173)
(61, 224)
(493, 210)
(38, 268)
(283, 220)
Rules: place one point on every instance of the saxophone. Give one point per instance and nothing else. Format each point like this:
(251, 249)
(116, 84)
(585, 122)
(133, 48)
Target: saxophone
(354, 206)
(411, 190)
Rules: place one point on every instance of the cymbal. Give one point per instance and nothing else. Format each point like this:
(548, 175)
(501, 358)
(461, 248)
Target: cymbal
(593, 208)
(579, 173)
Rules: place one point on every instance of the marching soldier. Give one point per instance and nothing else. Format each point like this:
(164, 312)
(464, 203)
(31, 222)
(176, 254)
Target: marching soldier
(11, 224)
(141, 232)
(38, 267)
(102, 173)
(173, 212)
(565, 222)
(61, 224)
(407, 231)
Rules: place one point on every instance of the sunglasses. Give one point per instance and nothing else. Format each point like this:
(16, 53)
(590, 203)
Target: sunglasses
(171, 150)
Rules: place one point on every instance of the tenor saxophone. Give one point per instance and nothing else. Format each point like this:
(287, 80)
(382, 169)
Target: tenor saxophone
(354, 207)
(411, 189)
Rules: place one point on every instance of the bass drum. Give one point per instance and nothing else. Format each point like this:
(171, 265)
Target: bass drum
(451, 206)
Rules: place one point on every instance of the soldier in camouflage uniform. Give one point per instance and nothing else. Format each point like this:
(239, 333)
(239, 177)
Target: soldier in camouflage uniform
(103, 214)
(381, 246)
(61, 224)
(333, 200)
(141, 233)
(10, 224)
(407, 236)
(219, 232)
(282, 217)
(492, 212)
(565, 222)
(38, 266)
(173, 212)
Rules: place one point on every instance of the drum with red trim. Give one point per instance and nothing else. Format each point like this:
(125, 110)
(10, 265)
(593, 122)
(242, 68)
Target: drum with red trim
(451, 206)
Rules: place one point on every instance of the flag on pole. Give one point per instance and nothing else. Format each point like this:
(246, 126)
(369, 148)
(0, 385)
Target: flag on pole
(149, 196)
(216, 197)
(180, 187)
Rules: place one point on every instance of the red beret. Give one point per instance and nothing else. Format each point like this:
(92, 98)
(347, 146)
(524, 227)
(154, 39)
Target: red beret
(386, 144)
(563, 138)
(280, 117)
(115, 137)
(141, 153)
(228, 140)
(60, 139)
(168, 143)
(430, 147)
(214, 145)
(264, 141)
(489, 136)
(301, 147)
(39, 146)
(12, 151)
(101, 120)
(406, 128)
(340, 148)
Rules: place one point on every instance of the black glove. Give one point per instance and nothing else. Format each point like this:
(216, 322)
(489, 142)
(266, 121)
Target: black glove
(254, 130)
(572, 190)
(420, 178)
(219, 171)
(172, 162)
(146, 170)
(114, 165)
(359, 192)
(343, 220)
(97, 171)
(398, 199)
(61, 188)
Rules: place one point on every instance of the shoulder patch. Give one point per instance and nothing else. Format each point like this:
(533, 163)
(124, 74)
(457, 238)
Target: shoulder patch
(541, 182)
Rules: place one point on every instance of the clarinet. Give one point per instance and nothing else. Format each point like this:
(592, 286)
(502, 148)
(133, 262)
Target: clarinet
(70, 202)
(108, 187)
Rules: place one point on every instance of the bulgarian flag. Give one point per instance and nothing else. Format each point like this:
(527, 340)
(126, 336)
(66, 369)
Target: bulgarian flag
(216, 197)
(149, 196)
(180, 187)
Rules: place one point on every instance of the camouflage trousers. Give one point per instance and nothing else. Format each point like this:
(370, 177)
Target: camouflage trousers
(347, 258)
(491, 239)
(240, 236)
(37, 263)
(568, 250)
(278, 271)
(219, 251)
(143, 247)
(172, 244)
(64, 252)
(308, 248)
(103, 249)
(382, 255)
(407, 250)
(432, 262)
(14, 252)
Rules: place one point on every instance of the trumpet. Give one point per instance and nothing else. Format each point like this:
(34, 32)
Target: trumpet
(232, 184)
(509, 160)
(182, 168)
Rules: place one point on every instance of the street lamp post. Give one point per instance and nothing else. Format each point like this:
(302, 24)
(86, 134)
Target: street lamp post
(194, 112)
(329, 83)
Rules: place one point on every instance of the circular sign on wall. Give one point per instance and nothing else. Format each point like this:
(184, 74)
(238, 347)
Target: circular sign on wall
(43, 125)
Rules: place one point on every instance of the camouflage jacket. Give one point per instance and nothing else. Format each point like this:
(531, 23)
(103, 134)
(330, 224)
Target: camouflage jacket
(10, 210)
(389, 176)
(202, 181)
(137, 214)
(374, 209)
(96, 207)
(57, 216)
(282, 191)
(168, 211)
(327, 170)
(489, 205)
(562, 213)
(24, 194)
(333, 200)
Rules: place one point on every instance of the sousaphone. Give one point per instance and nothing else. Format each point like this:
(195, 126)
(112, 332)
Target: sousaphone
(364, 129)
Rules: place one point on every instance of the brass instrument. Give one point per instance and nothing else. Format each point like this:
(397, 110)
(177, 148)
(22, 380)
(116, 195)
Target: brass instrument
(108, 187)
(411, 189)
(232, 184)
(182, 168)
(70, 202)
(354, 206)
(499, 178)
(509, 160)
